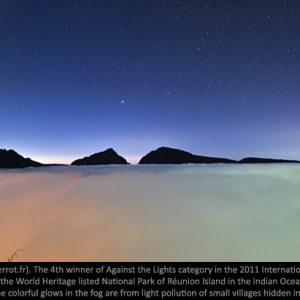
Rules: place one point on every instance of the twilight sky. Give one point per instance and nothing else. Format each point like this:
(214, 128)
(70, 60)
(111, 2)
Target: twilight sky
(218, 78)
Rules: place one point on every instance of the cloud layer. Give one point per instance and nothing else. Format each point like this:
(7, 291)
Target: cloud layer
(151, 213)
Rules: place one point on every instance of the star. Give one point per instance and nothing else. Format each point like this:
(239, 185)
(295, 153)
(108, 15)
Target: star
(122, 101)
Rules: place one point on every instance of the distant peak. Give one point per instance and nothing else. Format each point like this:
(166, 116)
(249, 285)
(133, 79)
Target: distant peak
(110, 150)
(106, 157)
(166, 155)
(7, 150)
(165, 148)
(12, 159)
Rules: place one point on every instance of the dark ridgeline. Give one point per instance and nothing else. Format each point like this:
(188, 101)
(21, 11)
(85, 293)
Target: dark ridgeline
(107, 157)
(165, 155)
(259, 160)
(10, 159)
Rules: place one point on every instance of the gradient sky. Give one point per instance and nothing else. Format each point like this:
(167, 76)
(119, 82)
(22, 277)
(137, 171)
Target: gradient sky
(218, 78)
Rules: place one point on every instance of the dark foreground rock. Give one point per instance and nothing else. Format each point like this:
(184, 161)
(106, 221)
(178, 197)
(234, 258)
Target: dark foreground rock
(166, 155)
(107, 157)
(259, 160)
(11, 159)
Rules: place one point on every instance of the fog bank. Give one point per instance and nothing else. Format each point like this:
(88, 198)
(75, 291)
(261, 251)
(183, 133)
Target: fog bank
(151, 213)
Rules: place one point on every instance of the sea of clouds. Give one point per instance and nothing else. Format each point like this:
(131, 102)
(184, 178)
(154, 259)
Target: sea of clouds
(151, 213)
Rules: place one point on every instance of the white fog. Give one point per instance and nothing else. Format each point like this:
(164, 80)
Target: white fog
(151, 213)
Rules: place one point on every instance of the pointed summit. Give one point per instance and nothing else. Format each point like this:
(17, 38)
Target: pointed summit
(107, 157)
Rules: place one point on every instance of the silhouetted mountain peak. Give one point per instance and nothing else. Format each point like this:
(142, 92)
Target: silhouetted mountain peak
(12, 159)
(8, 152)
(167, 155)
(163, 148)
(107, 157)
(109, 150)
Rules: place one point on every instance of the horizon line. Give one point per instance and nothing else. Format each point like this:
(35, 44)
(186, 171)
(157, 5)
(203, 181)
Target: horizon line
(131, 159)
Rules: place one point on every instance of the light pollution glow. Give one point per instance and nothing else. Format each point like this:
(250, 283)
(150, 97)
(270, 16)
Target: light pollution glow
(151, 213)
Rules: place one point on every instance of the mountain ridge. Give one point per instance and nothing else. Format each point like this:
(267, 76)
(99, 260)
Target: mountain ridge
(10, 159)
(107, 157)
(167, 155)
(163, 155)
